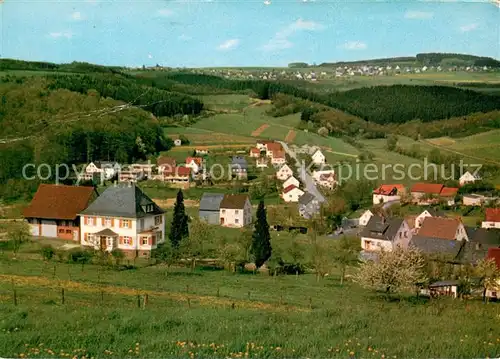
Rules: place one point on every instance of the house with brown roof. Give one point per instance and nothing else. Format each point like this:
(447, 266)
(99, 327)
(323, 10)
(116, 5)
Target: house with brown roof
(492, 218)
(426, 193)
(165, 163)
(430, 193)
(255, 152)
(429, 212)
(195, 163)
(54, 210)
(273, 148)
(388, 193)
(235, 211)
(278, 158)
(179, 176)
(443, 228)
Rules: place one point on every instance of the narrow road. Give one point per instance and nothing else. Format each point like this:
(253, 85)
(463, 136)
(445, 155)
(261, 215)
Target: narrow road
(305, 177)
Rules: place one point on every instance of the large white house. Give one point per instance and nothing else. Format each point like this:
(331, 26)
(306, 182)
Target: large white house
(106, 170)
(365, 217)
(284, 173)
(124, 218)
(318, 158)
(427, 213)
(388, 193)
(235, 211)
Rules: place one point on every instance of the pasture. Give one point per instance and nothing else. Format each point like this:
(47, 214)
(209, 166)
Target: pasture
(218, 314)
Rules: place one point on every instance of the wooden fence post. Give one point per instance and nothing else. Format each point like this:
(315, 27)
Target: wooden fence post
(218, 292)
(281, 299)
(146, 297)
(310, 303)
(102, 296)
(14, 292)
(189, 302)
(187, 288)
(138, 300)
(62, 295)
(248, 295)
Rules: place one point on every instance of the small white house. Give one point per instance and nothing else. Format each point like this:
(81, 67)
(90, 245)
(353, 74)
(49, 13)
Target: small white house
(318, 158)
(284, 173)
(235, 211)
(291, 181)
(492, 218)
(106, 169)
(365, 217)
(261, 162)
(468, 177)
(195, 163)
(387, 193)
(177, 142)
(385, 234)
(291, 194)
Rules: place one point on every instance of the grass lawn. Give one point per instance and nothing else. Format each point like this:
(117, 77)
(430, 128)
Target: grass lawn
(210, 313)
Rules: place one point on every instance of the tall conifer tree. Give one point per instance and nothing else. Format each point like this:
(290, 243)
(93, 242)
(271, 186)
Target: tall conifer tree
(261, 239)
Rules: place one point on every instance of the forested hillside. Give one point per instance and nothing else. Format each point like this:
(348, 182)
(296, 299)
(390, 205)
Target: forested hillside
(61, 126)
(380, 104)
(157, 101)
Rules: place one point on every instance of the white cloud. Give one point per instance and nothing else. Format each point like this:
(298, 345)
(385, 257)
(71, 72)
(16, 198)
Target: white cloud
(280, 40)
(77, 16)
(229, 44)
(165, 12)
(354, 45)
(420, 15)
(184, 37)
(469, 27)
(57, 35)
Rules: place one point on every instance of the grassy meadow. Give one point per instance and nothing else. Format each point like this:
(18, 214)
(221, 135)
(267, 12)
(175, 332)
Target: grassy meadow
(218, 314)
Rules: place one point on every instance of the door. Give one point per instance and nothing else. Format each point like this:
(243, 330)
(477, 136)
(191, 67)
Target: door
(75, 236)
(103, 243)
(222, 221)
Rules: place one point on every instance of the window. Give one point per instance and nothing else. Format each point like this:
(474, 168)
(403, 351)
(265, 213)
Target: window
(107, 222)
(141, 223)
(60, 230)
(223, 211)
(109, 241)
(127, 240)
(400, 234)
(406, 234)
(126, 223)
(68, 231)
(144, 241)
(236, 212)
(236, 220)
(158, 220)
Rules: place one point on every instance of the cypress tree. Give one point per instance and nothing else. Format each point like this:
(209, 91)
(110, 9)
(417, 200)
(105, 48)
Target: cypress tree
(179, 228)
(261, 239)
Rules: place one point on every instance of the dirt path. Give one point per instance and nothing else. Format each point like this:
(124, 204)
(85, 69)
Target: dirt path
(73, 286)
(233, 145)
(328, 149)
(169, 202)
(290, 136)
(258, 131)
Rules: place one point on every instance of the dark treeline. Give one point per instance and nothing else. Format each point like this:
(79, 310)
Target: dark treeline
(77, 67)
(381, 104)
(436, 58)
(157, 101)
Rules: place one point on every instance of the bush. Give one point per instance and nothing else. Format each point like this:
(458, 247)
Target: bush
(47, 252)
(80, 256)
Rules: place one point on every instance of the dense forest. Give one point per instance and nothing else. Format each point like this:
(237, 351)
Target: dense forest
(60, 126)
(157, 101)
(429, 59)
(380, 104)
(75, 67)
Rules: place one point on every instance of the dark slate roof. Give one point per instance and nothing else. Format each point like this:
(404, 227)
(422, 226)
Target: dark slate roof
(471, 253)
(306, 198)
(486, 237)
(471, 231)
(211, 201)
(105, 164)
(234, 201)
(430, 245)
(123, 200)
(239, 162)
(380, 228)
(444, 283)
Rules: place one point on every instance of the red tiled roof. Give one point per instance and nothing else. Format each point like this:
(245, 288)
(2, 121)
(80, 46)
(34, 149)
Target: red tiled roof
(327, 176)
(162, 161)
(430, 188)
(289, 188)
(59, 202)
(494, 253)
(386, 189)
(254, 150)
(279, 154)
(439, 227)
(178, 171)
(492, 214)
(449, 192)
(197, 160)
(274, 147)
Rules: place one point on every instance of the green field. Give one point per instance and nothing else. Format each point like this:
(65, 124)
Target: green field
(216, 314)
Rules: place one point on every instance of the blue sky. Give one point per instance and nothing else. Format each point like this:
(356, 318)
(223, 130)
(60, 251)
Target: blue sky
(195, 33)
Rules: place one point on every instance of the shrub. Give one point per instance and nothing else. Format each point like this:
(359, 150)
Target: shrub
(47, 252)
(80, 256)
